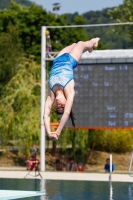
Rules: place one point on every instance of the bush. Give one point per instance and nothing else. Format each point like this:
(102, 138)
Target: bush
(118, 141)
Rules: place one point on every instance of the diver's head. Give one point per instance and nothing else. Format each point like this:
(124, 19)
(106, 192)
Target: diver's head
(60, 103)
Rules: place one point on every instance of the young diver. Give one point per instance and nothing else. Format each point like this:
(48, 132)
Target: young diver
(61, 83)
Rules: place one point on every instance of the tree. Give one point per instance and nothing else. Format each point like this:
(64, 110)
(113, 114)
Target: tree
(74, 142)
(112, 40)
(124, 13)
(119, 141)
(20, 107)
(29, 20)
(11, 54)
(5, 3)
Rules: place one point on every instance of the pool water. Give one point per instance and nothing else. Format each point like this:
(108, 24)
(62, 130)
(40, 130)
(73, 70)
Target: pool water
(71, 190)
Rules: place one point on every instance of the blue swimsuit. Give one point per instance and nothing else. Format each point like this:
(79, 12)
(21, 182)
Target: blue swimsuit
(62, 71)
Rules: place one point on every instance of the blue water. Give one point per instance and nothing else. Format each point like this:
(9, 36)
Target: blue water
(71, 190)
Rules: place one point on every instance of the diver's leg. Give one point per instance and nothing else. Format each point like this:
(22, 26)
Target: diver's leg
(66, 49)
(81, 47)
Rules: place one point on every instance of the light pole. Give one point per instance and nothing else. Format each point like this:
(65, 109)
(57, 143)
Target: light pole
(56, 8)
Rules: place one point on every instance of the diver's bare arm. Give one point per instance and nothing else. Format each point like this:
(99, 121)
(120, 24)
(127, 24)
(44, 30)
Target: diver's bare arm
(47, 109)
(66, 113)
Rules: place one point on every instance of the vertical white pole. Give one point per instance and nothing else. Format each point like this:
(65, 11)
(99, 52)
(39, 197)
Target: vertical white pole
(43, 92)
(111, 166)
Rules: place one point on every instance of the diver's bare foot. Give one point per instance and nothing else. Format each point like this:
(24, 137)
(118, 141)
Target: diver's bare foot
(95, 44)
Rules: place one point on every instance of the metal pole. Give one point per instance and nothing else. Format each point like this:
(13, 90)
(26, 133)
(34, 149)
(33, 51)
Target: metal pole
(110, 167)
(43, 92)
(92, 25)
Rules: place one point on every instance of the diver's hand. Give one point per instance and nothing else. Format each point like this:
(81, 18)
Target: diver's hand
(53, 136)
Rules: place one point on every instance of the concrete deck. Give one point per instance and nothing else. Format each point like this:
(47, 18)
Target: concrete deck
(67, 176)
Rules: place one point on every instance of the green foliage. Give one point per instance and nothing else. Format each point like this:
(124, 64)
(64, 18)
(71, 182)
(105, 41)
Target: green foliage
(124, 13)
(29, 20)
(119, 141)
(108, 35)
(10, 54)
(5, 3)
(77, 141)
(20, 108)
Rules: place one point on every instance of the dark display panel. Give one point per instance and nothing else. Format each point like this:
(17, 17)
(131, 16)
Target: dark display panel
(104, 95)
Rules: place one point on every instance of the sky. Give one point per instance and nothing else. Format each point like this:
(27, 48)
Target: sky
(80, 6)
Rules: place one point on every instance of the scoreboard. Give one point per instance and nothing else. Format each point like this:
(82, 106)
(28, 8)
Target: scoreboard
(103, 95)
